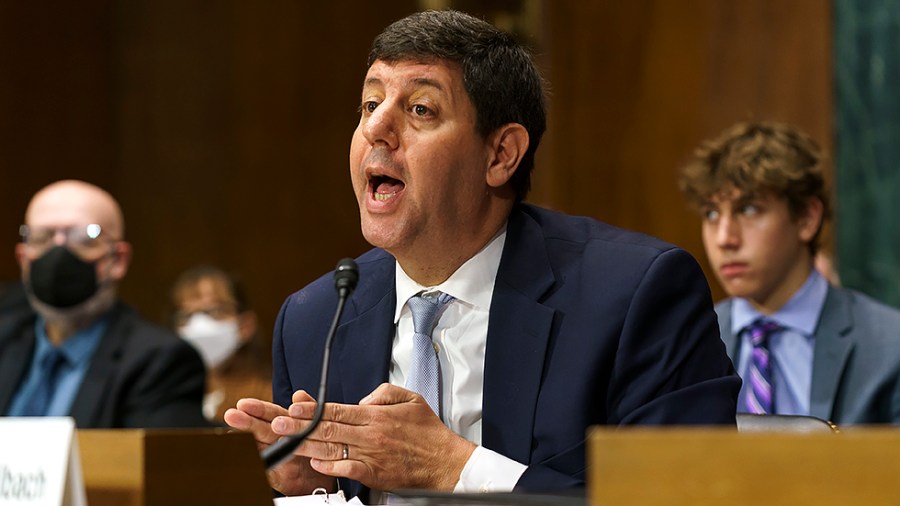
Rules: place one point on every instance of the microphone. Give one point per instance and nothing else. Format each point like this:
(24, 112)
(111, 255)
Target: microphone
(346, 274)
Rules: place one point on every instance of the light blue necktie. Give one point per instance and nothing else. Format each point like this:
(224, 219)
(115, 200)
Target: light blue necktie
(425, 370)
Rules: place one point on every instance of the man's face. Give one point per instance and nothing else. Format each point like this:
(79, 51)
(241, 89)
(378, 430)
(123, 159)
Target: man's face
(417, 163)
(757, 249)
(66, 214)
(62, 218)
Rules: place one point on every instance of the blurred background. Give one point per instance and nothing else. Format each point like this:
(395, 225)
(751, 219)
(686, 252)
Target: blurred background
(223, 127)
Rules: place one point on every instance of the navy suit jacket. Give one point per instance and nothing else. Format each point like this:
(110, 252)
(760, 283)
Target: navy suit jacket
(589, 325)
(140, 376)
(856, 359)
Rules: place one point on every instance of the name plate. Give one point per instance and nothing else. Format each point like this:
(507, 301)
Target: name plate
(39, 462)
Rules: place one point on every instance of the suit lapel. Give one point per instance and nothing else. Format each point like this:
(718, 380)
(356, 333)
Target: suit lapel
(518, 332)
(732, 343)
(834, 343)
(364, 343)
(101, 373)
(15, 357)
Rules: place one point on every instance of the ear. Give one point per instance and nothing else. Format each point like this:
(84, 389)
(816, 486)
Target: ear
(811, 220)
(122, 252)
(508, 145)
(247, 324)
(21, 257)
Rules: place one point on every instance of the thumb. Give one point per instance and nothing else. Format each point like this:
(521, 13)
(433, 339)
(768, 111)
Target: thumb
(390, 394)
(301, 396)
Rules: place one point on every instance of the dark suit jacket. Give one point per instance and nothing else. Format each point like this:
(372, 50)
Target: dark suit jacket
(589, 324)
(140, 376)
(856, 359)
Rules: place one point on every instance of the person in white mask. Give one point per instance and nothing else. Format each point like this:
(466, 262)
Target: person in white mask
(211, 313)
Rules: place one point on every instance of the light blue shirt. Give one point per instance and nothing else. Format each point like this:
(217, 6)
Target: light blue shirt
(78, 349)
(790, 349)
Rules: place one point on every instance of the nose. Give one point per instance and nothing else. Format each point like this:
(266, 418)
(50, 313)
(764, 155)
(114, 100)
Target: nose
(728, 232)
(60, 237)
(380, 126)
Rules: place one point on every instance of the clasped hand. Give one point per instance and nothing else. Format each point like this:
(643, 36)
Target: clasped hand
(392, 440)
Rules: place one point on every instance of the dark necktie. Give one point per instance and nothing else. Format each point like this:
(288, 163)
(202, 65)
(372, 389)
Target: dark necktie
(425, 370)
(50, 366)
(759, 397)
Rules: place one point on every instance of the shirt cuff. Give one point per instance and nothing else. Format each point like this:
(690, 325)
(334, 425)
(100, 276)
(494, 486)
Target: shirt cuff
(488, 471)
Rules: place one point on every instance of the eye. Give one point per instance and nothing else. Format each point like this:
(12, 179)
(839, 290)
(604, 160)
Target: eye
(421, 110)
(40, 236)
(749, 210)
(710, 214)
(369, 106)
(221, 312)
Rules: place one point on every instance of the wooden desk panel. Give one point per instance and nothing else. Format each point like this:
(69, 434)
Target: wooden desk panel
(166, 467)
(720, 466)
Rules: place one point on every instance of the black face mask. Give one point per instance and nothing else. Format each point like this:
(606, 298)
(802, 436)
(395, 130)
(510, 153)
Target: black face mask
(60, 279)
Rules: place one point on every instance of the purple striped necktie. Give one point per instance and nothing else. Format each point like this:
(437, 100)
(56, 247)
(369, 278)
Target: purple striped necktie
(759, 397)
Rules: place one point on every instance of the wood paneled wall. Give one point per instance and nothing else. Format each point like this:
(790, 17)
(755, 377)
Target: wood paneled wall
(223, 127)
(637, 85)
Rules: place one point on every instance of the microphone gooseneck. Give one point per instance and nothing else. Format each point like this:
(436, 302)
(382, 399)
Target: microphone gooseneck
(346, 274)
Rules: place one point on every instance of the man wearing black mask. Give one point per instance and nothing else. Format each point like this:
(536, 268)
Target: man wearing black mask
(82, 352)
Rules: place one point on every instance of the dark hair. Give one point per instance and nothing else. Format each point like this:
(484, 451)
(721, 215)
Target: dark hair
(755, 157)
(498, 73)
(194, 275)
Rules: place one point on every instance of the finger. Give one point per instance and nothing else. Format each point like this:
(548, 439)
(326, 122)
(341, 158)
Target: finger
(323, 450)
(328, 439)
(342, 413)
(263, 410)
(261, 429)
(287, 425)
(302, 396)
(349, 468)
(303, 410)
(390, 394)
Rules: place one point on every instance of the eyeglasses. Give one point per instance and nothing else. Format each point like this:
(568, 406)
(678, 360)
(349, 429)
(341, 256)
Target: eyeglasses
(217, 312)
(82, 239)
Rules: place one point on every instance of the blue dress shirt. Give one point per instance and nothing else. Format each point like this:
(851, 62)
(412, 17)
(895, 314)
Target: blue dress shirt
(78, 350)
(790, 349)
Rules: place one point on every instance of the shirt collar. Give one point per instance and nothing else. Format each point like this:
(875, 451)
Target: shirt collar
(800, 313)
(472, 283)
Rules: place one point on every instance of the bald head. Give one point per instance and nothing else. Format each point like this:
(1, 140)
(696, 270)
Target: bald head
(68, 301)
(72, 203)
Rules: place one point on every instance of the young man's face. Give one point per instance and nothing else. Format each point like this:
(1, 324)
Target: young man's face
(757, 249)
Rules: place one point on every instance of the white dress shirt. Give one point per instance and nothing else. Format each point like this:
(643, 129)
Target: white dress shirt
(460, 337)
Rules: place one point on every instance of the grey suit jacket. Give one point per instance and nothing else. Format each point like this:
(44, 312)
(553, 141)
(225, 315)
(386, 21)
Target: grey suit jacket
(856, 361)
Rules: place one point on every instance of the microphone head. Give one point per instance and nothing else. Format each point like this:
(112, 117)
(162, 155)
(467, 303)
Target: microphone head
(346, 274)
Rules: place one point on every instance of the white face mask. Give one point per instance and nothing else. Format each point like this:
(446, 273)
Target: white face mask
(216, 340)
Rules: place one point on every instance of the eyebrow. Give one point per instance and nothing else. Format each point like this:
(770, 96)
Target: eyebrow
(418, 82)
(424, 81)
(746, 198)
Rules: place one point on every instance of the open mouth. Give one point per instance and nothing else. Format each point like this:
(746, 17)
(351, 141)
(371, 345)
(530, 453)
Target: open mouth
(385, 187)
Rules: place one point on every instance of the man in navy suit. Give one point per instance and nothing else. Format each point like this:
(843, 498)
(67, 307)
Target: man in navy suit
(556, 323)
